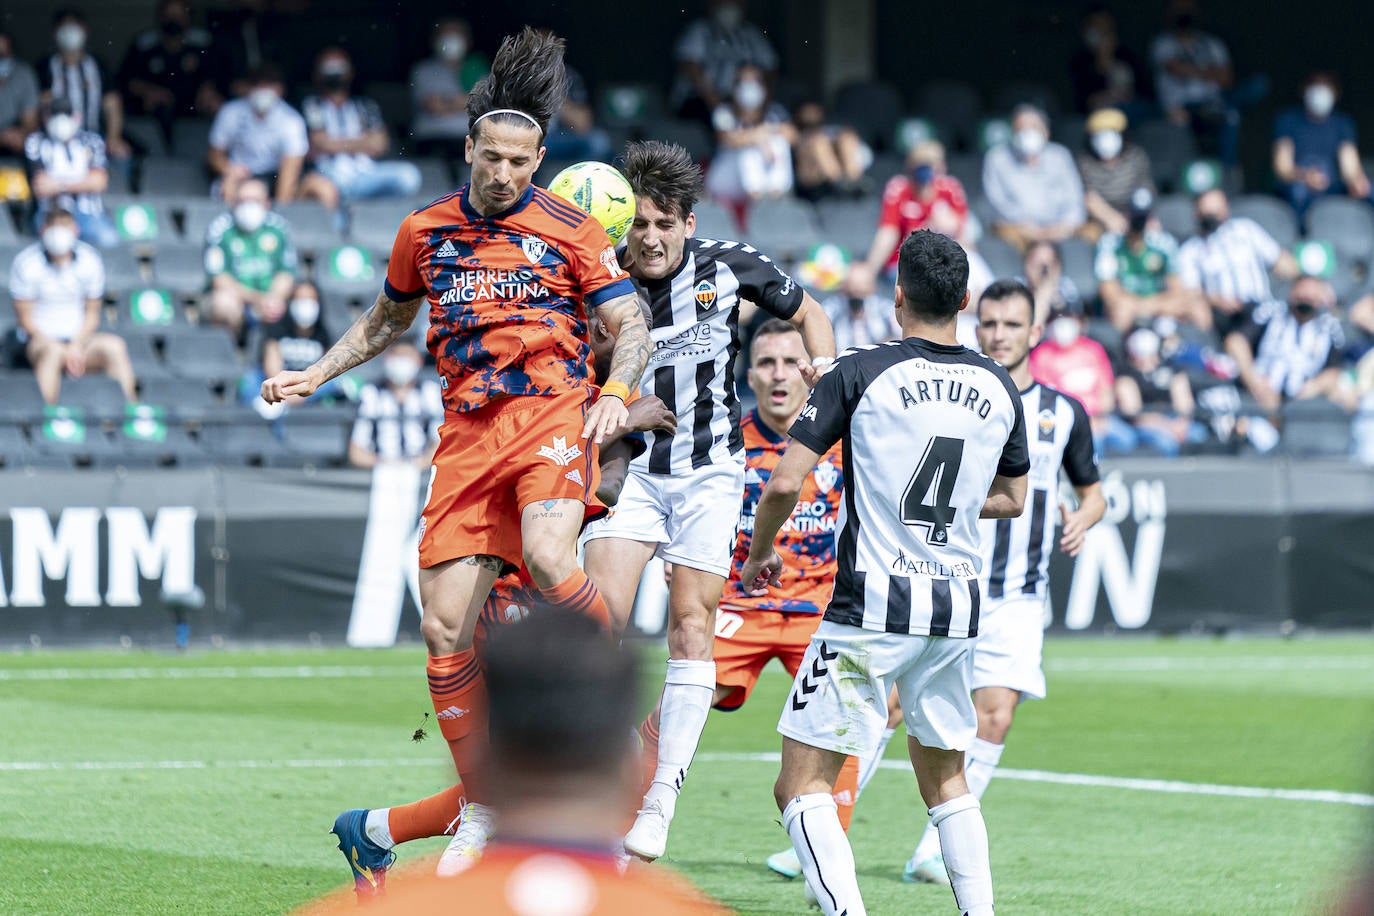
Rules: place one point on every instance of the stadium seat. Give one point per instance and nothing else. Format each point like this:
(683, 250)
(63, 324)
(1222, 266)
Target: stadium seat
(1105, 333)
(8, 234)
(714, 221)
(313, 227)
(1169, 146)
(183, 400)
(968, 168)
(245, 442)
(953, 103)
(394, 99)
(191, 138)
(850, 223)
(373, 223)
(348, 272)
(435, 176)
(1275, 215)
(48, 461)
(1176, 214)
(1020, 92)
(1077, 257)
(167, 176)
(783, 228)
(14, 445)
(204, 354)
(143, 354)
(629, 104)
(1003, 260)
(692, 136)
(140, 219)
(1346, 223)
(122, 270)
(885, 165)
(320, 441)
(1315, 427)
(71, 435)
(20, 399)
(872, 108)
(180, 268)
(1070, 130)
(145, 135)
(196, 215)
(97, 395)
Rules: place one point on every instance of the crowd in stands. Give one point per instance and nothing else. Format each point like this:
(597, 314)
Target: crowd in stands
(1187, 315)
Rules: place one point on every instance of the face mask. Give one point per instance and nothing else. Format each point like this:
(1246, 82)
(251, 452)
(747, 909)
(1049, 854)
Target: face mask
(61, 127)
(1063, 330)
(1208, 223)
(1107, 144)
(1304, 310)
(400, 371)
(1142, 345)
(1319, 100)
(1029, 142)
(750, 94)
(262, 99)
(173, 28)
(304, 312)
(923, 174)
(6, 67)
(452, 47)
(59, 240)
(249, 215)
(70, 37)
(729, 15)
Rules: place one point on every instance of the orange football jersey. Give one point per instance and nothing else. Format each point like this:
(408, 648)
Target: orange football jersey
(806, 542)
(508, 294)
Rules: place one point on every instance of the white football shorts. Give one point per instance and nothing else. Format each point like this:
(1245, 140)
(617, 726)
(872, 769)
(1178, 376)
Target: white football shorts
(838, 699)
(1007, 650)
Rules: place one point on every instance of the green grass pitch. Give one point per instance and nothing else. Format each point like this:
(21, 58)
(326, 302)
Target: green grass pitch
(127, 789)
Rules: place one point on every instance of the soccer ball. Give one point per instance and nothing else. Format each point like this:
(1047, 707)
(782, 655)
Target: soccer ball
(602, 192)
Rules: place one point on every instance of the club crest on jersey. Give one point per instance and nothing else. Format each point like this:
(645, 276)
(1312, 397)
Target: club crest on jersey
(561, 453)
(705, 294)
(1046, 421)
(534, 248)
(826, 475)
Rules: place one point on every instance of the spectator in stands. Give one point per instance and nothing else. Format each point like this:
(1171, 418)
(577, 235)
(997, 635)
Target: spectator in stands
(861, 320)
(911, 201)
(754, 137)
(57, 284)
(294, 341)
(1112, 170)
(711, 53)
(1137, 274)
(1155, 399)
(168, 71)
(1315, 152)
(1054, 290)
(830, 159)
(259, 136)
(1230, 260)
(18, 99)
(399, 419)
(1068, 360)
(1293, 351)
(1193, 76)
(67, 170)
(347, 134)
(73, 74)
(1105, 74)
(250, 260)
(1033, 184)
(441, 85)
(250, 33)
(573, 133)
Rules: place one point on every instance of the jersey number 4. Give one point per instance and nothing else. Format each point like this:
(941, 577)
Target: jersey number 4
(927, 497)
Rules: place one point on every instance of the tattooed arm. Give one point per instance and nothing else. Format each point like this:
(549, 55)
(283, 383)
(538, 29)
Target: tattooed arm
(624, 319)
(372, 333)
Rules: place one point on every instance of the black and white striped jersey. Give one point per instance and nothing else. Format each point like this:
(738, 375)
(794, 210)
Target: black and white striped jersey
(397, 429)
(1016, 551)
(695, 331)
(926, 427)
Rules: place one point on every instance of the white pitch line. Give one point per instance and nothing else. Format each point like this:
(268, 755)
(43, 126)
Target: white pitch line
(1212, 663)
(771, 757)
(225, 672)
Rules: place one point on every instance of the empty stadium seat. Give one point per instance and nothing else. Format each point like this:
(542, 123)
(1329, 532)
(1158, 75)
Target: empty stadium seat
(435, 176)
(204, 354)
(953, 103)
(1315, 427)
(692, 136)
(373, 223)
(1169, 146)
(1003, 260)
(850, 223)
(164, 176)
(98, 396)
(14, 445)
(145, 135)
(197, 214)
(73, 435)
(1346, 223)
(322, 441)
(629, 104)
(244, 442)
(143, 355)
(714, 221)
(20, 399)
(313, 227)
(783, 228)
(348, 272)
(8, 234)
(1078, 256)
(1177, 215)
(122, 269)
(191, 138)
(1275, 215)
(183, 400)
(872, 108)
(8, 251)
(180, 268)
(394, 99)
(968, 168)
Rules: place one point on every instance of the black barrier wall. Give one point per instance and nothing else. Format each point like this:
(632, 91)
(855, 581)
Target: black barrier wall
(89, 557)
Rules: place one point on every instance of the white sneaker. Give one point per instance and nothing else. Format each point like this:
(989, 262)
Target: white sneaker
(648, 838)
(469, 839)
(927, 871)
(785, 863)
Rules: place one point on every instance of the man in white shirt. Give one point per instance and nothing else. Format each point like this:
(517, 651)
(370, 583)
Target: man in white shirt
(1033, 184)
(259, 136)
(56, 285)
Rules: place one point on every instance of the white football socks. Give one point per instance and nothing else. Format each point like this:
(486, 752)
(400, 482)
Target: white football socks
(687, 692)
(964, 845)
(868, 766)
(823, 850)
(377, 826)
(979, 763)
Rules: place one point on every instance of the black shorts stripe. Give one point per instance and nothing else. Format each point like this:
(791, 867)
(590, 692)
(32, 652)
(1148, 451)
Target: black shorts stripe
(941, 607)
(898, 604)
(1001, 550)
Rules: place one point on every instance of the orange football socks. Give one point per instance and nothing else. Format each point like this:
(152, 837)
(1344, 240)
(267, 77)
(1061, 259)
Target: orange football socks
(458, 690)
(577, 593)
(427, 817)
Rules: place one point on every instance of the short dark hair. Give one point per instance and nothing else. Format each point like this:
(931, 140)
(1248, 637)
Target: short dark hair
(932, 271)
(266, 72)
(563, 697)
(57, 213)
(527, 75)
(772, 328)
(664, 173)
(68, 12)
(1002, 290)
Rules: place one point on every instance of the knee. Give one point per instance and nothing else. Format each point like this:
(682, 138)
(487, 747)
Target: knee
(549, 563)
(690, 633)
(442, 636)
(993, 724)
(782, 793)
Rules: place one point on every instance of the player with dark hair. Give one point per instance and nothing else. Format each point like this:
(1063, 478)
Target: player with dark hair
(933, 439)
(510, 273)
(682, 495)
(562, 700)
(1016, 551)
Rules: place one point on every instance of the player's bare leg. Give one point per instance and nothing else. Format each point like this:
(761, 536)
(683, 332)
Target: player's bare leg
(615, 565)
(548, 534)
(996, 707)
(955, 813)
(688, 689)
(803, 795)
(451, 595)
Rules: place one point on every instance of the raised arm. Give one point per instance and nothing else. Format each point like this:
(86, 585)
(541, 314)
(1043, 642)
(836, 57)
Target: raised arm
(372, 333)
(818, 335)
